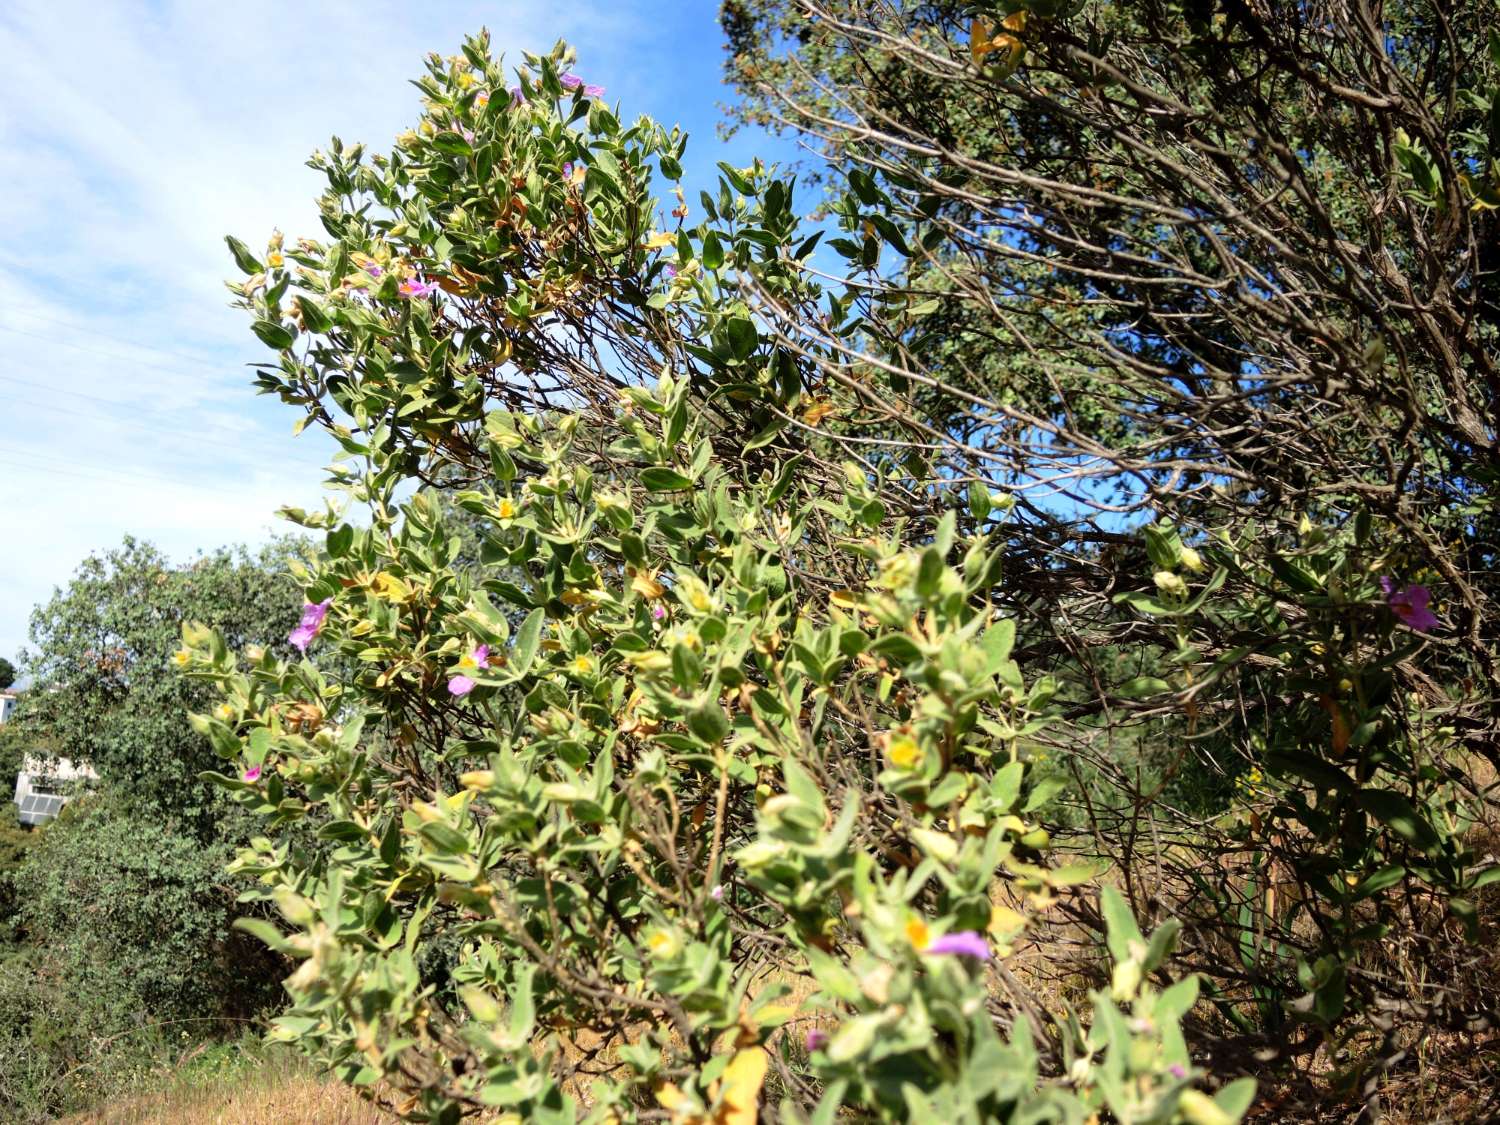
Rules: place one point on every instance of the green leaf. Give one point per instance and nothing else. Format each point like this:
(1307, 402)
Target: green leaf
(528, 638)
(273, 334)
(657, 479)
(1120, 928)
(313, 316)
(1236, 1098)
(242, 256)
(1143, 686)
(452, 143)
(713, 252)
(1398, 814)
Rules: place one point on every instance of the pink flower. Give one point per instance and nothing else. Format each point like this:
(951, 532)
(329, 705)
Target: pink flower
(815, 1039)
(311, 624)
(964, 943)
(658, 612)
(414, 287)
(717, 894)
(1410, 605)
(1177, 1070)
(669, 271)
(252, 774)
(477, 660)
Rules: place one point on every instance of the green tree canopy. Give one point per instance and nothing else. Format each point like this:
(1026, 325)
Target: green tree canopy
(102, 691)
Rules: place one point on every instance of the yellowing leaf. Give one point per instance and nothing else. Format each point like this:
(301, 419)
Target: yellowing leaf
(743, 1079)
(646, 586)
(660, 240)
(816, 410)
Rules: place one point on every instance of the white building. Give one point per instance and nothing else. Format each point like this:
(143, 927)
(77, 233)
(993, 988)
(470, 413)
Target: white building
(7, 704)
(44, 786)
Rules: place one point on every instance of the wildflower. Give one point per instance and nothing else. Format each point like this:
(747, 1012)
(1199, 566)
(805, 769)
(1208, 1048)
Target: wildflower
(573, 82)
(658, 612)
(583, 665)
(516, 97)
(1177, 1070)
(573, 173)
(475, 661)
(1410, 604)
(669, 271)
(275, 260)
(181, 657)
(252, 774)
(916, 933)
(904, 752)
(506, 508)
(964, 943)
(1192, 560)
(310, 625)
(415, 287)
(224, 712)
(659, 240)
(717, 894)
(482, 99)
(815, 1039)
(664, 943)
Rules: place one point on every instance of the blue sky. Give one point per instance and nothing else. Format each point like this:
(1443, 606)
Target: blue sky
(133, 137)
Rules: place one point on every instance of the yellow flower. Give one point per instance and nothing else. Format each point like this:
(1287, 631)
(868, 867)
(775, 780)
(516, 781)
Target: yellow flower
(506, 508)
(1192, 560)
(904, 752)
(583, 665)
(916, 933)
(181, 657)
(664, 943)
(659, 240)
(275, 260)
(224, 712)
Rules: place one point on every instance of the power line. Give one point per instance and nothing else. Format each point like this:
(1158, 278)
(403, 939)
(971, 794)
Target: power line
(155, 430)
(200, 360)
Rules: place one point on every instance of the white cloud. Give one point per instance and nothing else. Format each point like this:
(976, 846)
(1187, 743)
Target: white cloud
(133, 137)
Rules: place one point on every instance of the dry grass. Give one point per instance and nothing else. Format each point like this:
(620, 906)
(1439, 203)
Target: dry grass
(278, 1093)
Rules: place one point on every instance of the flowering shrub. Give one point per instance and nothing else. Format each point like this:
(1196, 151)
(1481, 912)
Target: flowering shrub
(704, 794)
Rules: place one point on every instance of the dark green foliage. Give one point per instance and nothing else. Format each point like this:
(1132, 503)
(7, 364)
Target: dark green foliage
(136, 917)
(102, 693)
(7, 673)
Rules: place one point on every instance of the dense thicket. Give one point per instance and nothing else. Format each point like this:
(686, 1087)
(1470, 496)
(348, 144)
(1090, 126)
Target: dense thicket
(872, 612)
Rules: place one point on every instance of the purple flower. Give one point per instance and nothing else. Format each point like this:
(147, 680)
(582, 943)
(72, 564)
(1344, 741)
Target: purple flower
(460, 685)
(252, 774)
(571, 81)
(669, 271)
(481, 655)
(717, 894)
(374, 270)
(1177, 1070)
(414, 287)
(1410, 604)
(310, 625)
(815, 1039)
(658, 612)
(516, 97)
(964, 943)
